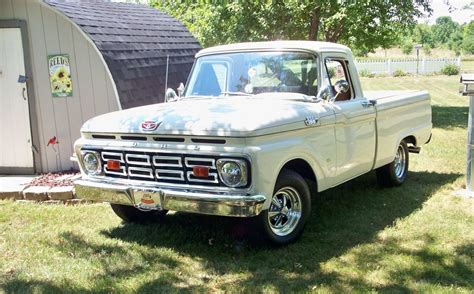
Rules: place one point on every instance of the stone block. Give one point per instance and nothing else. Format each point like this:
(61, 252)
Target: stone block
(37, 193)
(61, 193)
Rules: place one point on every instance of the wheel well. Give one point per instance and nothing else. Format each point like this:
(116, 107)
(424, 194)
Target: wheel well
(410, 140)
(303, 168)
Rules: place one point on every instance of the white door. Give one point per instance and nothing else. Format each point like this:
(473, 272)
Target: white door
(15, 132)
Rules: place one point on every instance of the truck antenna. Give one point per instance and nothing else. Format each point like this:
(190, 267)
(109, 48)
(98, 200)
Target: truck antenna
(166, 77)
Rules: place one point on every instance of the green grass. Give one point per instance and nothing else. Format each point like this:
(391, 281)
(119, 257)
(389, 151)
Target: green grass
(418, 237)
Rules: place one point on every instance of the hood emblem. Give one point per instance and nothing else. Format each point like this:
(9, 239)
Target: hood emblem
(150, 125)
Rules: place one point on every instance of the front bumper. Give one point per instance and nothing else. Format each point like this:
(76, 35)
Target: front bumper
(155, 198)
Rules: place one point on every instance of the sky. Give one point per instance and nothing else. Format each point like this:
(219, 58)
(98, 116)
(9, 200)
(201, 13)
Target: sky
(440, 8)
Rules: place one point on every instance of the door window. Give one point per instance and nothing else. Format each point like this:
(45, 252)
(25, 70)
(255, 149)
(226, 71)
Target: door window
(337, 70)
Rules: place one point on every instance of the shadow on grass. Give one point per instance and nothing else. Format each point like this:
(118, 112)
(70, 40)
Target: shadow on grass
(342, 219)
(446, 117)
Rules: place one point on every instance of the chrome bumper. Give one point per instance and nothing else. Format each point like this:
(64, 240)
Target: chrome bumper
(153, 198)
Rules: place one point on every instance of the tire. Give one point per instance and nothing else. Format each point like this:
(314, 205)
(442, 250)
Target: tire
(395, 173)
(291, 195)
(134, 215)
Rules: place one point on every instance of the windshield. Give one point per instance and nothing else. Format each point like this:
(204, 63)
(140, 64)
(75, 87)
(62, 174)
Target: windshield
(254, 73)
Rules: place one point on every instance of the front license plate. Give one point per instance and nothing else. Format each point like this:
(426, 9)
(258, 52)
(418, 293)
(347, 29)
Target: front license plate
(147, 199)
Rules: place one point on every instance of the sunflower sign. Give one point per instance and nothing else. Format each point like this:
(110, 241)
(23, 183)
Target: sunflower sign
(60, 75)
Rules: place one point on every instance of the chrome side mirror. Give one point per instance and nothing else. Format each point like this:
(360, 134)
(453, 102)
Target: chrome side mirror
(170, 95)
(341, 87)
(180, 90)
(324, 93)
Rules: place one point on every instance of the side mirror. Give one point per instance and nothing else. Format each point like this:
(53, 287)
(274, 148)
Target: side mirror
(324, 93)
(170, 95)
(180, 89)
(341, 87)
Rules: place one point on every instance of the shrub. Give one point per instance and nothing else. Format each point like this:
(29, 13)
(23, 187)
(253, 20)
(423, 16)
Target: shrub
(407, 47)
(366, 73)
(450, 70)
(399, 73)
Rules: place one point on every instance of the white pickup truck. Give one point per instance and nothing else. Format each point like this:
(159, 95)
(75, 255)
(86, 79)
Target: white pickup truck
(258, 130)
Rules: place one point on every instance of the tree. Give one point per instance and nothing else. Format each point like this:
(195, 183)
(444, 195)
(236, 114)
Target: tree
(444, 29)
(468, 39)
(364, 24)
(422, 34)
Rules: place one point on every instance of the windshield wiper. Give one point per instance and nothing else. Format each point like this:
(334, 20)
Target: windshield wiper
(236, 93)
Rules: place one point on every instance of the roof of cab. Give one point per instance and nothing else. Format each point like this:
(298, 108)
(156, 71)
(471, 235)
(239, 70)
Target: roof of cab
(314, 46)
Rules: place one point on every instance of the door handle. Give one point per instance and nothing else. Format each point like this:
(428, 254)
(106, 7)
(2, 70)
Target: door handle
(23, 92)
(367, 104)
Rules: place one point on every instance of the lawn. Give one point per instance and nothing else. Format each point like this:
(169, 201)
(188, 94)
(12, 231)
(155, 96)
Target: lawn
(418, 237)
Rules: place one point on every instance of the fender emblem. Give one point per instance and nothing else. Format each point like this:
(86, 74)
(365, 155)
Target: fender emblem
(311, 120)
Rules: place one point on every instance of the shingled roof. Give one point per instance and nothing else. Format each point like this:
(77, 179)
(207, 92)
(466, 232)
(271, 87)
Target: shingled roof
(135, 41)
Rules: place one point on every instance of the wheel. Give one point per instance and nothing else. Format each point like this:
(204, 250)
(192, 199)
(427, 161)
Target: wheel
(284, 221)
(134, 215)
(395, 173)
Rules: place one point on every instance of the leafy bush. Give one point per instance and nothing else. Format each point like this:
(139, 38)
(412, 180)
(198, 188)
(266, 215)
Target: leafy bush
(399, 73)
(407, 47)
(366, 73)
(450, 70)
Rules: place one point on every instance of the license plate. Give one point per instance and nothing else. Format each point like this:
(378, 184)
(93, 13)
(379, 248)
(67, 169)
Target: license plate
(147, 199)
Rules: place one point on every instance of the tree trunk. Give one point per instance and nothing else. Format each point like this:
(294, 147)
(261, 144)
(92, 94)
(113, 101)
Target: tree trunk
(314, 26)
(333, 34)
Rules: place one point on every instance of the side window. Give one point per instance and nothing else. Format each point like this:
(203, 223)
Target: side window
(337, 71)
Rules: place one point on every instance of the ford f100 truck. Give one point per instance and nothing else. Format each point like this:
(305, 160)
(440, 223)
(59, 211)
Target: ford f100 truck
(257, 131)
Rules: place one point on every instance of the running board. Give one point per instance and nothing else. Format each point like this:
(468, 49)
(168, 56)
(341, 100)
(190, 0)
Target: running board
(413, 149)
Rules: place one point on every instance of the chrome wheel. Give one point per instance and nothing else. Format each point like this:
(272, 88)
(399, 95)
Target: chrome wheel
(285, 211)
(400, 162)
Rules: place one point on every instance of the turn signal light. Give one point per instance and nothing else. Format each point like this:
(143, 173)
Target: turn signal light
(201, 171)
(113, 165)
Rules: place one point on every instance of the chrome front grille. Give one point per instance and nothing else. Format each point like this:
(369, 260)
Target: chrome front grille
(160, 167)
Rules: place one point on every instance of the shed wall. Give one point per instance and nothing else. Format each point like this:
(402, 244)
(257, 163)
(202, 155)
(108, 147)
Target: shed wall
(93, 90)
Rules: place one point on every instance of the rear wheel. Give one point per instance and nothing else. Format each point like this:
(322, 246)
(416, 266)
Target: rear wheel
(284, 221)
(395, 173)
(134, 215)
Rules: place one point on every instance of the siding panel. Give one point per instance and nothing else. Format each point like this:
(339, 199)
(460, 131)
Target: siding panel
(41, 80)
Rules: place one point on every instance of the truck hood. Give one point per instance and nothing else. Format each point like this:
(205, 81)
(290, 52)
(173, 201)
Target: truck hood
(230, 116)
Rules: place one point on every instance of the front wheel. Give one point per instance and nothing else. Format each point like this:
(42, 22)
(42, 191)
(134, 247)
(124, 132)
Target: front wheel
(284, 221)
(395, 173)
(134, 215)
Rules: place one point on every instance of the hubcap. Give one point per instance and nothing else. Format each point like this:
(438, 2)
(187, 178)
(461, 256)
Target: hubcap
(285, 211)
(400, 162)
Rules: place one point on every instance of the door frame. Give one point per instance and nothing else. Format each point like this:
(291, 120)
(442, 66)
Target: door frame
(35, 141)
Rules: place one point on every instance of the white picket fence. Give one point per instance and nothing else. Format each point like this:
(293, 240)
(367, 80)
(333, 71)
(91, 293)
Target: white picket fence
(408, 65)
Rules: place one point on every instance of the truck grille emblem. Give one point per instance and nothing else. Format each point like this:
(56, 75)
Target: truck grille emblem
(150, 125)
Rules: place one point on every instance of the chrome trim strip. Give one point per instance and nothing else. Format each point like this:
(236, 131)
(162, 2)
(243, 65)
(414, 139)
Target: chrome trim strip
(112, 154)
(110, 172)
(215, 181)
(131, 155)
(170, 171)
(212, 161)
(177, 158)
(134, 168)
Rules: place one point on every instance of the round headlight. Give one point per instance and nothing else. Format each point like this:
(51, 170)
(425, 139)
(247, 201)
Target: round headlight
(91, 163)
(233, 173)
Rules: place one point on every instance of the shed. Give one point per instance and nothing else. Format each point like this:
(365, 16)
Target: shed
(63, 62)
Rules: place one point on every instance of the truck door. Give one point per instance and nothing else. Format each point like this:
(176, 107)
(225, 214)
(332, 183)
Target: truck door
(355, 122)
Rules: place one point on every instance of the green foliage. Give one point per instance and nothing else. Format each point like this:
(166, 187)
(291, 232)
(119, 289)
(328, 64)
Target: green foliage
(426, 50)
(407, 47)
(399, 73)
(468, 38)
(359, 24)
(366, 73)
(444, 29)
(450, 70)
